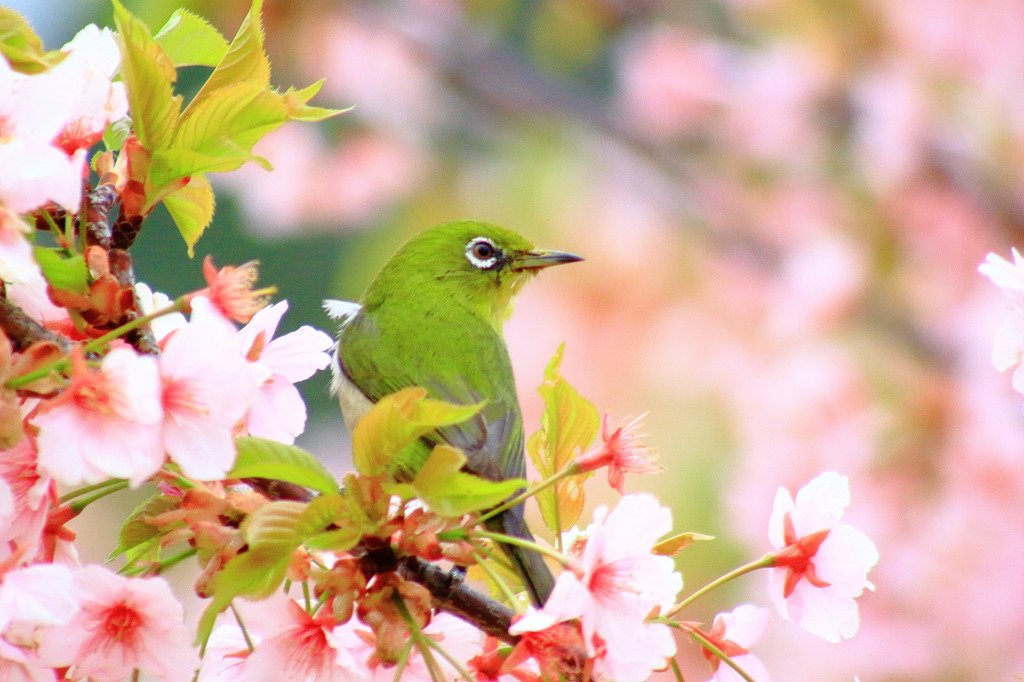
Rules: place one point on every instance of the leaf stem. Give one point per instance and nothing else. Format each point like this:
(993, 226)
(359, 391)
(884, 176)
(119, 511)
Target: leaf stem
(241, 626)
(62, 365)
(520, 542)
(503, 587)
(570, 469)
(764, 562)
(82, 502)
(68, 496)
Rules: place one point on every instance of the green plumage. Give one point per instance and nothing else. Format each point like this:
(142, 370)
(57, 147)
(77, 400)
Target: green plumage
(432, 318)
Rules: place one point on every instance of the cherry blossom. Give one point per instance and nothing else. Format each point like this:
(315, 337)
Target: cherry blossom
(123, 624)
(734, 634)
(206, 388)
(30, 494)
(278, 411)
(105, 423)
(91, 99)
(151, 301)
(230, 290)
(622, 452)
(616, 587)
(304, 647)
(821, 565)
(38, 594)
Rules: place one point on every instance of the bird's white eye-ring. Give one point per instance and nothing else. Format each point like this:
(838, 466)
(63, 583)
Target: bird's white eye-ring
(482, 253)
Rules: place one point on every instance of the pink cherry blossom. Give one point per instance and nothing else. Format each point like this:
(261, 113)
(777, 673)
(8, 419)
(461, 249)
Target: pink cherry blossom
(206, 388)
(226, 655)
(106, 423)
(37, 172)
(821, 565)
(22, 277)
(622, 452)
(19, 664)
(89, 96)
(123, 624)
(304, 647)
(151, 301)
(35, 595)
(618, 584)
(735, 633)
(31, 492)
(278, 411)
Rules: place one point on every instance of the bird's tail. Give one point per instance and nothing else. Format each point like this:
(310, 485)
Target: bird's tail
(530, 564)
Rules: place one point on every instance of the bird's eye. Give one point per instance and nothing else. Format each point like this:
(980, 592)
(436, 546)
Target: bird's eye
(483, 250)
(482, 253)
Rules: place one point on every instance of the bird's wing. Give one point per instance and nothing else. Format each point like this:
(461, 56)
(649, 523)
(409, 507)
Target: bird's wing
(492, 440)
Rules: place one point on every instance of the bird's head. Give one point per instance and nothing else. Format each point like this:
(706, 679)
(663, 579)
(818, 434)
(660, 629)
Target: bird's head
(466, 262)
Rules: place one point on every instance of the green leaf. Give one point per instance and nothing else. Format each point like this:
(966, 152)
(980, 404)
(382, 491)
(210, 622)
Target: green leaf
(568, 426)
(190, 40)
(274, 525)
(245, 59)
(148, 74)
(70, 274)
(297, 109)
(21, 46)
(449, 491)
(317, 523)
(115, 134)
(263, 458)
(673, 545)
(137, 529)
(397, 421)
(254, 574)
(191, 207)
(172, 166)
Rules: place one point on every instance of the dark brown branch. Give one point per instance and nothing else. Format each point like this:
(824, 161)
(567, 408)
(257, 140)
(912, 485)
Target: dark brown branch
(450, 593)
(98, 203)
(453, 595)
(23, 331)
(121, 268)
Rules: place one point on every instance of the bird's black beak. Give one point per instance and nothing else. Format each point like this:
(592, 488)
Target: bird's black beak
(538, 259)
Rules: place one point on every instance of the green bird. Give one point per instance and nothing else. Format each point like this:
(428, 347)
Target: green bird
(432, 317)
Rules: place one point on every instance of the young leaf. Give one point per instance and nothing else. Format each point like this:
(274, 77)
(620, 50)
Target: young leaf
(263, 458)
(70, 274)
(148, 75)
(673, 545)
(137, 529)
(21, 46)
(397, 421)
(245, 59)
(191, 207)
(568, 426)
(315, 524)
(189, 40)
(295, 104)
(448, 491)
